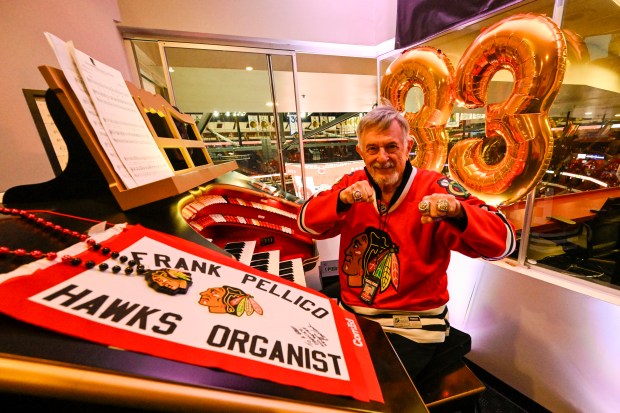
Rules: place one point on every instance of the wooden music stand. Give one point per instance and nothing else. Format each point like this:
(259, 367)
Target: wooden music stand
(186, 154)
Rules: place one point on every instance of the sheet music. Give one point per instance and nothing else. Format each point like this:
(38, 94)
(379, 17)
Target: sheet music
(122, 120)
(67, 65)
(120, 127)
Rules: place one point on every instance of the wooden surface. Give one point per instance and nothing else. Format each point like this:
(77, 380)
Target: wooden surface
(159, 108)
(577, 207)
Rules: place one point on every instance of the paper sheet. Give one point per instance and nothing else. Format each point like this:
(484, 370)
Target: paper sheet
(117, 122)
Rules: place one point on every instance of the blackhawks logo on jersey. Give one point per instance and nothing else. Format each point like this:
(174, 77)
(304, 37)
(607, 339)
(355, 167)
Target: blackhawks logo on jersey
(454, 188)
(371, 262)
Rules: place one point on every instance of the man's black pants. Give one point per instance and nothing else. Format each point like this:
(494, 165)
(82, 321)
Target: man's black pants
(424, 360)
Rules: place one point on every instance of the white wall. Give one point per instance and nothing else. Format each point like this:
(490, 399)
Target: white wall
(536, 332)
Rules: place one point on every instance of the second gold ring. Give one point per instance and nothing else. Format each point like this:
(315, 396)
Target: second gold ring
(443, 205)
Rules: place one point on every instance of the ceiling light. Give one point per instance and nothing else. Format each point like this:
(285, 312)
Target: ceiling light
(171, 70)
(248, 68)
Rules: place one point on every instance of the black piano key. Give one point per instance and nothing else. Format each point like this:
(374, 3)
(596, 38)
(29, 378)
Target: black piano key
(241, 250)
(260, 256)
(291, 272)
(236, 253)
(236, 244)
(254, 263)
(286, 265)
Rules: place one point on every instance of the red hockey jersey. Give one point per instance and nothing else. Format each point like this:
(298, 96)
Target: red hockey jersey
(389, 262)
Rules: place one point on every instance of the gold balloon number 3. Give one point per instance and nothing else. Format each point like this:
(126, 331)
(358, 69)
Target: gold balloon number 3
(533, 49)
(431, 71)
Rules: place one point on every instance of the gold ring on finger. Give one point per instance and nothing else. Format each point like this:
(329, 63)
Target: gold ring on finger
(424, 206)
(443, 205)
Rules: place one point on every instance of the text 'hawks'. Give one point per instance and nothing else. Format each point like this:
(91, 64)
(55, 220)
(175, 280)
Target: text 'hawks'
(116, 310)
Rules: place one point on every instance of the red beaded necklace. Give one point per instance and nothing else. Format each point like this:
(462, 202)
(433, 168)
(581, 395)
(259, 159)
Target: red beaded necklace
(165, 280)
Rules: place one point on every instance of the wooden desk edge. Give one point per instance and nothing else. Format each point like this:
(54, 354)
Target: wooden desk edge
(51, 379)
(475, 386)
(456, 397)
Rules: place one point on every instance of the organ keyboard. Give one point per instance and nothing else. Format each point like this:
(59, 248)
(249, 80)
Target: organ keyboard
(257, 228)
(268, 261)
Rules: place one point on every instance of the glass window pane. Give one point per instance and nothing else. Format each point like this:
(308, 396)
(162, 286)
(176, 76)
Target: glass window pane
(334, 91)
(229, 94)
(148, 61)
(576, 220)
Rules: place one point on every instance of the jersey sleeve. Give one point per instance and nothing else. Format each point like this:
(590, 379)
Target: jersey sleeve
(488, 233)
(319, 216)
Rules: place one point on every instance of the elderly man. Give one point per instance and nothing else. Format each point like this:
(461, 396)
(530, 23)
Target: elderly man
(397, 226)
